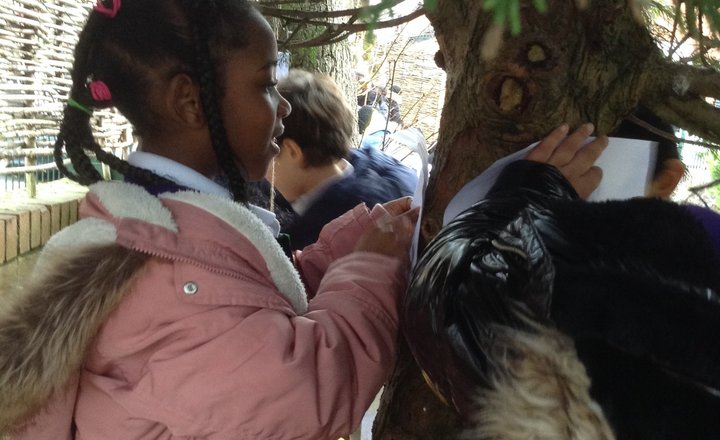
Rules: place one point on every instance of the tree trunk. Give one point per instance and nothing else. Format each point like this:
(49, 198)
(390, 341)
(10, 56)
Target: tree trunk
(332, 59)
(567, 65)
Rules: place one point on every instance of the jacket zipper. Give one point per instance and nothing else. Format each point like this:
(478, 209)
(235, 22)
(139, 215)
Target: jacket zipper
(190, 261)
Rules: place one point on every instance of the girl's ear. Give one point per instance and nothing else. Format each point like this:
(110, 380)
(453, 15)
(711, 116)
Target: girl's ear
(183, 101)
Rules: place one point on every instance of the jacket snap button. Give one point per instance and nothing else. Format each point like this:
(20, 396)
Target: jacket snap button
(190, 288)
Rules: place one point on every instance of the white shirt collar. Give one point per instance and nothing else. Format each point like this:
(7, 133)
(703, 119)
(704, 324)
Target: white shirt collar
(177, 172)
(267, 217)
(189, 178)
(302, 203)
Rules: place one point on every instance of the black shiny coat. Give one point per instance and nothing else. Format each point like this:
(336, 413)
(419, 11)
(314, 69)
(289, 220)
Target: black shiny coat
(634, 284)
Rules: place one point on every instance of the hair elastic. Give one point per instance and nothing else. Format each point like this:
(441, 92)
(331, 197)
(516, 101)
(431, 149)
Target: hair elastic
(110, 12)
(99, 91)
(72, 103)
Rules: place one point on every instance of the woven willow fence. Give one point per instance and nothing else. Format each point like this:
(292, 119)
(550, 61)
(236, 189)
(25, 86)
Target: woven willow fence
(37, 39)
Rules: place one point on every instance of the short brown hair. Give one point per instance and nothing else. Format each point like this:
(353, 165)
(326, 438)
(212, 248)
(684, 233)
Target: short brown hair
(321, 122)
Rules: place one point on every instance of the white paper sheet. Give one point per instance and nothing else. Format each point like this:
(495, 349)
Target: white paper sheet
(627, 166)
(420, 148)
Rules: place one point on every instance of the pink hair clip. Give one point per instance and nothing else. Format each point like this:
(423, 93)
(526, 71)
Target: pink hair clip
(110, 12)
(99, 91)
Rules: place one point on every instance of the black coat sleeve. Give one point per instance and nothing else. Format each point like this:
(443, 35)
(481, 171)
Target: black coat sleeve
(484, 268)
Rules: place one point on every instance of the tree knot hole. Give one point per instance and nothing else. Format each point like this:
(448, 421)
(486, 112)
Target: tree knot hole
(511, 94)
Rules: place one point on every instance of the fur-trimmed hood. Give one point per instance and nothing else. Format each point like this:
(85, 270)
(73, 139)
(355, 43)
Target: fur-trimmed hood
(153, 226)
(84, 271)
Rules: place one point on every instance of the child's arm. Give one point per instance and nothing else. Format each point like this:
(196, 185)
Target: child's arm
(274, 374)
(341, 237)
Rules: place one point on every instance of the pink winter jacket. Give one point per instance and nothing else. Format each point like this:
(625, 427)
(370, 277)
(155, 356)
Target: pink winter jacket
(213, 337)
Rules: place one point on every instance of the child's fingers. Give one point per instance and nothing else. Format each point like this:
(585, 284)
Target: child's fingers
(565, 152)
(392, 237)
(587, 183)
(398, 206)
(412, 215)
(585, 158)
(543, 151)
(573, 156)
(403, 222)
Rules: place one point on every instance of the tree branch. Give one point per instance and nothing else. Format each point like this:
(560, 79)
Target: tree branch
(695, 115)
(303, 14)
(679, 44)
(701, 81)
(291, 2)
(353, 28)
(335, 32)
(696, 189)
(651, 128)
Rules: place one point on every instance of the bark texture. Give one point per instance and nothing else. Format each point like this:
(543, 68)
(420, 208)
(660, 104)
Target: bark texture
(331, 59)
(567, 65)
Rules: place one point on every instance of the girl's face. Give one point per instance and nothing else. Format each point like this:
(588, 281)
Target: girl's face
(252, 107)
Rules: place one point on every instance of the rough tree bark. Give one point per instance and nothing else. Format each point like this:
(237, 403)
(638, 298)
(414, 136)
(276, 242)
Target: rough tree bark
(331, 59)
(567, 65)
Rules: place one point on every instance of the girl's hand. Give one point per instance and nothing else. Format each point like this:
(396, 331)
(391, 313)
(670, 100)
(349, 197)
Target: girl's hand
(398, 206)
(573, 156)
(391, 235)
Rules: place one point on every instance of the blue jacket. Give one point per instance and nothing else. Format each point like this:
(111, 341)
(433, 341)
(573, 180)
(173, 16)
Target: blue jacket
(377, 178)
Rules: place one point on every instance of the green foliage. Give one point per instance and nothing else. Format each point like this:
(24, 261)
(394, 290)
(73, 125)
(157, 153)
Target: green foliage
(430, 5)
(681, 24)
(708, 9)
(372, 14)
(692, 13)
(507, 12)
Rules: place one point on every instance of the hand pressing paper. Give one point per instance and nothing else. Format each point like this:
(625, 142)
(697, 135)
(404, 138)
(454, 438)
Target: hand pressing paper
(627, 166)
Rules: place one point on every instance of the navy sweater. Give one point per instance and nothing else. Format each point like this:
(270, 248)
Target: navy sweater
(377, 178)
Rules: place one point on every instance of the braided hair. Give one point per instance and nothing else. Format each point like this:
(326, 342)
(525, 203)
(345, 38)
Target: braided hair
(146, 41)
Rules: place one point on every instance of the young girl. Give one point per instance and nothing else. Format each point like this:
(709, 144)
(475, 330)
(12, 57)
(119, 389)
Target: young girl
(170, 310)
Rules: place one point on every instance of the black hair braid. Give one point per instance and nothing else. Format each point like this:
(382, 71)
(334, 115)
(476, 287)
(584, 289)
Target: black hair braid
(74, 133)
(108, 52)
(76, 136)
(123, 167)
(59, 159)
(58, 147)
(204, 12)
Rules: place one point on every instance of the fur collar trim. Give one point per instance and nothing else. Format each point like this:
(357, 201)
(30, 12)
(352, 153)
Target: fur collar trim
(86, 233)
(126, 200)
(46, 328)
(283, 273)
(538, 389)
